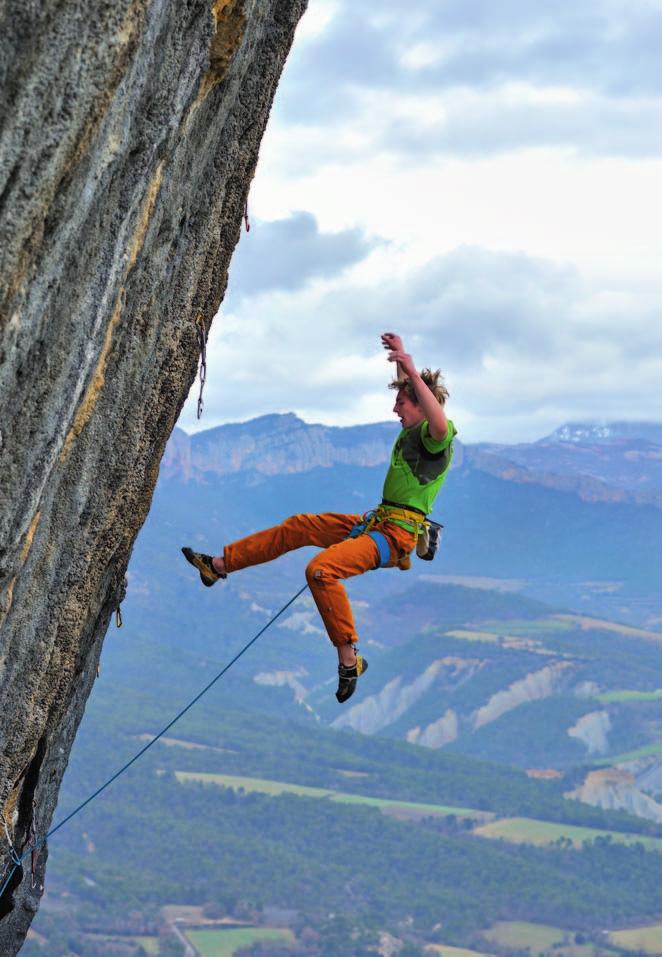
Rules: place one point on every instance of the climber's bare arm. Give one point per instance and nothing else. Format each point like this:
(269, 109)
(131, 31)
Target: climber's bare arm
(432, 409)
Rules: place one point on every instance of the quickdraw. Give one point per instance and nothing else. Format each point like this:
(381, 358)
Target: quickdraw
(34, 853)
(202, 345)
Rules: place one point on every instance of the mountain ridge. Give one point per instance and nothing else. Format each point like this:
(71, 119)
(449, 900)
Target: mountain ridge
(613, 462)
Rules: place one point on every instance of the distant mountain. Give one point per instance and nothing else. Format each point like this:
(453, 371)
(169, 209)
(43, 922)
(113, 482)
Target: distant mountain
(593, 433)
(616, 462)
(275, 445)
(619, 462)
(572, 523)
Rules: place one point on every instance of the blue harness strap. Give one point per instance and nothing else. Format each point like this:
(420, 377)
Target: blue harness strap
(380, 540)
(361, 526)
(382, 544)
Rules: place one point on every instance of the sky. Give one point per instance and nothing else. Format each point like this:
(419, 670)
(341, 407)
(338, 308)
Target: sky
(482, 177)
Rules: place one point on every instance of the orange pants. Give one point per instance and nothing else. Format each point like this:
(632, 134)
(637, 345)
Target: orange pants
(342, 558)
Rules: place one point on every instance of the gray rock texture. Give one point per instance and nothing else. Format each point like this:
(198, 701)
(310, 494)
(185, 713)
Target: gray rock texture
(129, 134)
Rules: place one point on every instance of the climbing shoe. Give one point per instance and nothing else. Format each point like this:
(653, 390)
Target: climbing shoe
(347, 678)
(205, 565)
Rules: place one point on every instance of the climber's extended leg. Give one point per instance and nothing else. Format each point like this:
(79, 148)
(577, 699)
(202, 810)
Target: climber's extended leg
(343, 557)
(324, 574)
(347, 558)
(295, 532)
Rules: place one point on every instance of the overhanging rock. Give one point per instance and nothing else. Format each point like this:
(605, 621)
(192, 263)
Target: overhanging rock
(129, 135)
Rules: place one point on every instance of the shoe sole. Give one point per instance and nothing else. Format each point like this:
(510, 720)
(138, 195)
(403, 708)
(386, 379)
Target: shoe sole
(352, 683)
(202, 568)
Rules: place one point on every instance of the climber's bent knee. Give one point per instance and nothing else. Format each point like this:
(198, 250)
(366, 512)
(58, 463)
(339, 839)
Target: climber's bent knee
(314, 572)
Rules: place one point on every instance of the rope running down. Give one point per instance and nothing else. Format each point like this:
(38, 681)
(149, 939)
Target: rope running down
(18, 861)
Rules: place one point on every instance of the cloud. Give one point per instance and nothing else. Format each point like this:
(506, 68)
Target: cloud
(287, 253)
(506, 120)
(487, 64)
(610, 46)
(525, 344)
(509, 154)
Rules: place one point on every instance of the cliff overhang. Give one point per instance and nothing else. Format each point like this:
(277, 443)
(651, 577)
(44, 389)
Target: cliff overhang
(129, 136)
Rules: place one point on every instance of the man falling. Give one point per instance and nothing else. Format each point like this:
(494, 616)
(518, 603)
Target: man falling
(353, 544)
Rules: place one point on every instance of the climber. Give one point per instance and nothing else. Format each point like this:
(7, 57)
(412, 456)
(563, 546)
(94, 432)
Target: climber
(353, 544)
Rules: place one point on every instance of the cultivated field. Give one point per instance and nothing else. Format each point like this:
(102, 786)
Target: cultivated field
(224, 943)
(648, 751)
(522, 830)
(647, 939)
(521, 935)
(598, 624)
(629, 696)
(280, 787)
(445, 950)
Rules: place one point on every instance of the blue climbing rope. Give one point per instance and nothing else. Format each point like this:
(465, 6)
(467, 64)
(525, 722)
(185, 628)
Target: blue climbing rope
(18, 861)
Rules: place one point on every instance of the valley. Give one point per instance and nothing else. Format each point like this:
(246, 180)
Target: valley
(504, 678)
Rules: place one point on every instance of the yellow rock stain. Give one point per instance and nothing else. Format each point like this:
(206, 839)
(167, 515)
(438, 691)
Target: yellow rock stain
(229, 27)
(97, 382)
(145, 216)
(25, 551)
(93, 391)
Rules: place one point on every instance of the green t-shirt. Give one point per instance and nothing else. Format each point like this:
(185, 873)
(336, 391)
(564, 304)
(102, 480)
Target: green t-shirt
(418, 467)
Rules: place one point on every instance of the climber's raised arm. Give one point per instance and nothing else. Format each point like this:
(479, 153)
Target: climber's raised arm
(431, 407)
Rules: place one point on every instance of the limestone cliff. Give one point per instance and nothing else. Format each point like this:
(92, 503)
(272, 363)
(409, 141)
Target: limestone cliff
(275, 445)
(129, 134)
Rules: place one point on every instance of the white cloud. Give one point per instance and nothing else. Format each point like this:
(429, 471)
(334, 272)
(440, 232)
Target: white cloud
(525, 345)
(508, 157)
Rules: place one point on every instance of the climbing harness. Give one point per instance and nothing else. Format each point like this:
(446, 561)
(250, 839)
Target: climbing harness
(427, 532)
(37, 844)
(202, 345)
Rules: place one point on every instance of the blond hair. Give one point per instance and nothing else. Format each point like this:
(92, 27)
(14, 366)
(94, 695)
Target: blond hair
(433, 380)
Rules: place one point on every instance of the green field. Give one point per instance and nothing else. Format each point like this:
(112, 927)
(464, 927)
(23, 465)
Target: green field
(149, 944)
(473, 635)
(648, 939)
(445, 950)
(281, 787)
(521, 935)
(224, 943)
(648, 751)
(253, 784)
(629, 696)
(522, 830)
(528, 627)
(601, 624)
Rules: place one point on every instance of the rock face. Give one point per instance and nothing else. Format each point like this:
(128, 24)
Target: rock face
(615, 789)
(593, 731)
(437, 733)
(129, 135)
(534, 687)
(379, 710)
